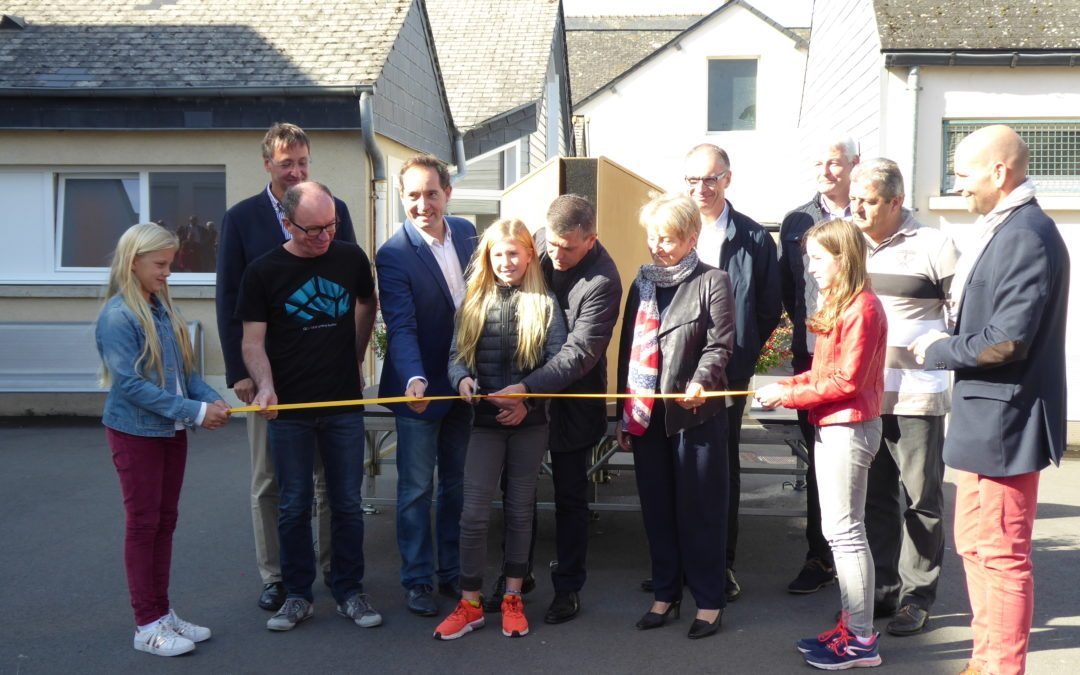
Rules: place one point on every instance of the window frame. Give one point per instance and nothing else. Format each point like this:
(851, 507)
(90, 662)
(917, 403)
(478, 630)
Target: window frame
(756, 60)
(946, 184)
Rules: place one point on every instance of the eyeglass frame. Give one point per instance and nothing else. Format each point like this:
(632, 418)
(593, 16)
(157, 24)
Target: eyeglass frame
(708, 181)
(318, 229)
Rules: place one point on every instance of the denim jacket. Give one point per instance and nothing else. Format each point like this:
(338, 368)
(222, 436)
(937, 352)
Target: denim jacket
(137, 404)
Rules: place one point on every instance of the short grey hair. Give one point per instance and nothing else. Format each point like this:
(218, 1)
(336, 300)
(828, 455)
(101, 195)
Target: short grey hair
(293, 196)
(884, 174)
(846, 144)
(570, 213)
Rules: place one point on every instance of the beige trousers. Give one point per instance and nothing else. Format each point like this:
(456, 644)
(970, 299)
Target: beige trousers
(264, 506)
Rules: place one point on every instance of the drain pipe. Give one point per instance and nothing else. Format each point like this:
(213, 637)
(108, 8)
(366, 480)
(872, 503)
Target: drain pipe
(913, 87)
(459, 160)
(378, 229)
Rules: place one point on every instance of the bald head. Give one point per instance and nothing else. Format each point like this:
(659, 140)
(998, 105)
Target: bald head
(989, 164)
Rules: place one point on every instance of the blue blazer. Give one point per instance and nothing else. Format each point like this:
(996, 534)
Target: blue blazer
(1008, 351)
(419, 313)
(249, 231)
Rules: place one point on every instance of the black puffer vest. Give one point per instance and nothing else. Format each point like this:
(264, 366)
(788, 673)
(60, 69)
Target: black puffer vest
(496, 360)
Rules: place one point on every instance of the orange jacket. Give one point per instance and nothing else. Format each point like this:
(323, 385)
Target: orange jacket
(846, 382)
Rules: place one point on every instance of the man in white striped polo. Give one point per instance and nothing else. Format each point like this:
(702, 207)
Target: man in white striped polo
(911, 267)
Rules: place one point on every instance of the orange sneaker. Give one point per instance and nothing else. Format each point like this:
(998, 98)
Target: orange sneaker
(465, 618)
(513, 616)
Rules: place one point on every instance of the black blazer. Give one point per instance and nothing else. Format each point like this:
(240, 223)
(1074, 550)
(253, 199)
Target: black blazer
(696, 338)
(1008, 351)
(250, 230)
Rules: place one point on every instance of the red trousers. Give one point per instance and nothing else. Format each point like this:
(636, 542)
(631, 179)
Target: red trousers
(151, 474)
(994, 520)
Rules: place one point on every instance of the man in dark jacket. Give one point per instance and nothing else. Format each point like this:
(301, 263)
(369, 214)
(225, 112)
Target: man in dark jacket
(741, 247)
(586, 282)
(250, 229)
(832, 171)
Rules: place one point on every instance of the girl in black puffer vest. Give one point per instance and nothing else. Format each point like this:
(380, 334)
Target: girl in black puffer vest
(508, 326)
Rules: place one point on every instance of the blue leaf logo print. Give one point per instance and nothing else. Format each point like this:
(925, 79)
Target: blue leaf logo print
(317, 296)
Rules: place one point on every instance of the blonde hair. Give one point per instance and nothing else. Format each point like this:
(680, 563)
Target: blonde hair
(843, 240)
(672, 212)
(534, 307)
(136, 241)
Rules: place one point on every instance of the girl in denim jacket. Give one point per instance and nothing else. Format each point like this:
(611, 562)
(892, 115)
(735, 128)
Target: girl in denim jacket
(154, 397)
(842, 391)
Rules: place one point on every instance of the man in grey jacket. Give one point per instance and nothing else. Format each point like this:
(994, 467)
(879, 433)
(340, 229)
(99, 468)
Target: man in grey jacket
(586, 282)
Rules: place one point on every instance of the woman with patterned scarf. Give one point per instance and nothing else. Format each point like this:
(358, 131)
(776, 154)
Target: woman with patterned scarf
(678, 330)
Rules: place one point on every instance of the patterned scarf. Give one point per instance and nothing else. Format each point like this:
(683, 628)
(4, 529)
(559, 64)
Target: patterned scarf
(645, 349)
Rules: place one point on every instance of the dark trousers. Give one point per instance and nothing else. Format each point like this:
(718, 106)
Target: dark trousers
(151, 471)
(817, 546)
(904, 510)
(734, 431)
(682, 483)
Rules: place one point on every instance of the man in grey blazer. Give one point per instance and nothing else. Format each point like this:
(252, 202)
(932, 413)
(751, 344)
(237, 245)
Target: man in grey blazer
(1008, 413)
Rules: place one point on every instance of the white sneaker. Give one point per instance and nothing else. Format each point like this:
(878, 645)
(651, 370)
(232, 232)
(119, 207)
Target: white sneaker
(186, 628)
(161, 640)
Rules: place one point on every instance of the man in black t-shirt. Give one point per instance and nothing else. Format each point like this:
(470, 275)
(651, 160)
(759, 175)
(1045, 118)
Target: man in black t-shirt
(308, 308)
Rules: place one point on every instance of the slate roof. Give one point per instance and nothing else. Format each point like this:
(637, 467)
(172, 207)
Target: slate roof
(198, 43)
(913, 25)
(602, 48)
(493, 54)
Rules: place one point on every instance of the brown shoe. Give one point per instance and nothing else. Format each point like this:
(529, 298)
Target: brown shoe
(909, 620)
(971, 669)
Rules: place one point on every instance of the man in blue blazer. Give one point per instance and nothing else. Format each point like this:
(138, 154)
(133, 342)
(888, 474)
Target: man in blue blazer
(421, 272)
(249, 230)
(1008, 413)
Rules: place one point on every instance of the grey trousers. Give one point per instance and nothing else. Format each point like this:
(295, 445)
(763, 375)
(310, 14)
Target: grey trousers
(844, 453)
(264, 506)
(520, 450)
(904, 510)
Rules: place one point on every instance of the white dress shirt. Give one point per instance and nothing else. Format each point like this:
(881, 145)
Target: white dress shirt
(710, 243)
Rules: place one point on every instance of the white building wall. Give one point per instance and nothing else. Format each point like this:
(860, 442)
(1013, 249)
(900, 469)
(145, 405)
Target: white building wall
(986, 94)
(658, 112)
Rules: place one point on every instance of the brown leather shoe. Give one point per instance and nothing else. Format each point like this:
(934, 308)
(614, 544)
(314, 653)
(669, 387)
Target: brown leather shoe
(971, 669)
(909, 620)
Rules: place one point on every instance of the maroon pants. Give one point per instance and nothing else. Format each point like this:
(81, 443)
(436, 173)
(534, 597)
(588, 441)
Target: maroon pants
(151, 471)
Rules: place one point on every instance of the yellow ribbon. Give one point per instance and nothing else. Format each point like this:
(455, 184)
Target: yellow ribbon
(409, 399)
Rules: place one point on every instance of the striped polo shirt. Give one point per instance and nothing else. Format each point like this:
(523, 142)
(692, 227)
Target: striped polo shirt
(911, 272)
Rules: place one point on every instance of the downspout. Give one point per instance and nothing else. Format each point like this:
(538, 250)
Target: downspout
(913, 87)
(377, 229)
(459, 160)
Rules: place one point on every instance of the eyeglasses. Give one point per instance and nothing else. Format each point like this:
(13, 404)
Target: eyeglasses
(315, 230)
(289, 165)
(708, 181)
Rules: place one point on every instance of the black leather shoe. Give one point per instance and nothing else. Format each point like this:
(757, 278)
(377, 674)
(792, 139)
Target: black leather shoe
(493, 602)
(653, 619)
(815, 575)
(910, 620)
(563, 608)
(451, 589)
(272, 596)
(419, 601)
(700, 629)
(733, 590)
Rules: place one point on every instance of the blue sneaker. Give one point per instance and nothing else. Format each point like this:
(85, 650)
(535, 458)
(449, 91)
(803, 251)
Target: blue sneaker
(810, 644)
(845, 652)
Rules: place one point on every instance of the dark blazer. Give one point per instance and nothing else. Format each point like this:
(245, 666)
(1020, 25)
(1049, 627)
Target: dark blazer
(793, 272)
(1008, 352)
(696, 338)
(749, 258)
(419, 313)
(589, 296)
(250, 230)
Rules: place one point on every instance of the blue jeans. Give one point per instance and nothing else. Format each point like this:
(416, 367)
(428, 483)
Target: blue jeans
(293, 443)
(421, 446)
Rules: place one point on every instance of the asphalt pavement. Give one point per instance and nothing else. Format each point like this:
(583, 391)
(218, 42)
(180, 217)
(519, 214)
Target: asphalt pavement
(64, 605)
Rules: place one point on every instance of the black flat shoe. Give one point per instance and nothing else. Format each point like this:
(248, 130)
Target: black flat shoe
(655, 620)
(700, 629)
(563, 608)
(272, 596)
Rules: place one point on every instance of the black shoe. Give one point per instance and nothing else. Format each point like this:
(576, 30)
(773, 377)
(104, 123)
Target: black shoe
(733, 590)
(493, 602)
(272, 596)
(419, 601)
(563, 608)
(910, 620)
(528, 584)
(451, 589)
(815, 575)
(646, 585)
(700, 629)
(653, 619)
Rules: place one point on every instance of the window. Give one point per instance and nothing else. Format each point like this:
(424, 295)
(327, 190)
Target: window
(94, 209)
(478, 194)
(1054, 146)
(732, 94)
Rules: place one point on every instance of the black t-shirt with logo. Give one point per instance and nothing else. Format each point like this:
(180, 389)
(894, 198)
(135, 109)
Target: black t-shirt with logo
(308, 306)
